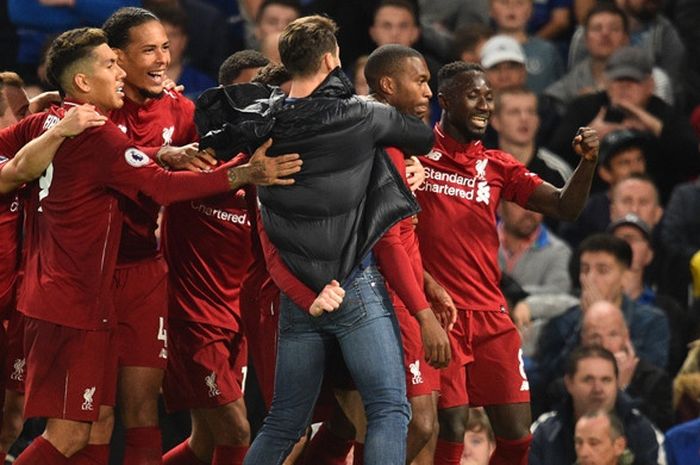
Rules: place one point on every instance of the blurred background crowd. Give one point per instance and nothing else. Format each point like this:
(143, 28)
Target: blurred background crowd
(626, 274)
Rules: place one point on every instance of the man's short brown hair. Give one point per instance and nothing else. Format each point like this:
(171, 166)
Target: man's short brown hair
(68, 49)
(304, 42)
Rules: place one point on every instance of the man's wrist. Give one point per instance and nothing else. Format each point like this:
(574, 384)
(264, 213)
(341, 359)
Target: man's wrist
(159, 159)
(238, 176)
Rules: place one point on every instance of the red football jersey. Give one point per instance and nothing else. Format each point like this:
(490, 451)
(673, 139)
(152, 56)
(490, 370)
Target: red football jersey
(75, 224)
(457, 224)
(167, 120)
(9, 243)
(207, 245)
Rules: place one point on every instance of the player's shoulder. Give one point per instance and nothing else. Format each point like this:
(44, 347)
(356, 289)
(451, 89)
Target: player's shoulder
(174, 99)
(502, 157)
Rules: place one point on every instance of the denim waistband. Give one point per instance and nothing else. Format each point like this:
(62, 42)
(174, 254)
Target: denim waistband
(366, 262)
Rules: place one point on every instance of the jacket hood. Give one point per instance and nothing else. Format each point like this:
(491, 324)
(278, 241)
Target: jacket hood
(240, 117)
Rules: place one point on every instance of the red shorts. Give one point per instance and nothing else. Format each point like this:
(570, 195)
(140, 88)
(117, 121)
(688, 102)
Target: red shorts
(421, 378)
(206, 368)
(15, 362)
(260, 315)
(70, 372)
(487, 362)
(8, 297)
(141, 299)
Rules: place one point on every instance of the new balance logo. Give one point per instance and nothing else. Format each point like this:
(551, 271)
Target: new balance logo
(88, 398)
(163, 353)
(122, 128)
(434, 155)
(525, 386)
(18, 370)
(415, 371)
(211, 384)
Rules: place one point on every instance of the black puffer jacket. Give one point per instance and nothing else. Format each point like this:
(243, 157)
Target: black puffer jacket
(347, 194)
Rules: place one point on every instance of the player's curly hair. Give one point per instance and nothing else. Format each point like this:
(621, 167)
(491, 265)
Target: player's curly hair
(272, 74)
(448, 72)
(69, 49)
(234, 65)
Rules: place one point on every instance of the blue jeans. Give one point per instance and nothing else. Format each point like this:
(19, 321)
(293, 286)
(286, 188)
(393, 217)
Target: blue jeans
(366, 330)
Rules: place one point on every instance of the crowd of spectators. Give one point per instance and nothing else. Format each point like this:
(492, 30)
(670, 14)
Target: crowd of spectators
(615, 295)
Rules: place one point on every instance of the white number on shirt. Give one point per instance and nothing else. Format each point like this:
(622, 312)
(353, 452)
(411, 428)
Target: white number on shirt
(44, 183)
(162, 332)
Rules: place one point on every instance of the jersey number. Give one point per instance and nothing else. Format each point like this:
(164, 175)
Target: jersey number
(162, 332)
(44, 183)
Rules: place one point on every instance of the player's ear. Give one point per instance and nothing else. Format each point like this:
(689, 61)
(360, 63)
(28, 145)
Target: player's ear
(442, 100)
(386, 85)
(120, 55)
(81, 82)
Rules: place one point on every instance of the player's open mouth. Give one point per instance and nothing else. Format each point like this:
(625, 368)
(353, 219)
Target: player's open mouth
(120, 90)
(479, 121)
(157, 76)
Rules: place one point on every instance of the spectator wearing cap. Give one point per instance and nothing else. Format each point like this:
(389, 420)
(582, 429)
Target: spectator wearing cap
(628, 102)
(649, 30)
(622, 153)
(542, 60)
(638, 234)
(606, 29)
(503, 59)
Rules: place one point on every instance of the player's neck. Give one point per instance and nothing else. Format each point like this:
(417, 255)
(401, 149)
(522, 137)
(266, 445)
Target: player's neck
(522, 152)
(133, 94)
(453, 132)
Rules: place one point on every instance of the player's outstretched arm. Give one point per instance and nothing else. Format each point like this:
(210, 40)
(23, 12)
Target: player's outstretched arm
(31, 161)
(568, 202)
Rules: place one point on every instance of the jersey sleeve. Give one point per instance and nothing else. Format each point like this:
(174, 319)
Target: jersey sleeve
(396, 267)
(14, 137)
(283, 278)
(129, 171)
(519, 182)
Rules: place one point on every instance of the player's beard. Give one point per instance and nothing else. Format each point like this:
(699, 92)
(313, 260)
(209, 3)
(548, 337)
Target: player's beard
(145, 93)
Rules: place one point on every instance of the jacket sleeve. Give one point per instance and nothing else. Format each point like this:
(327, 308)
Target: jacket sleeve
(406, 132)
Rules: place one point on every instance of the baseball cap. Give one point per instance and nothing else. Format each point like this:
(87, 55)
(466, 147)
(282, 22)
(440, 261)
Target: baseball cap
(629, 63)
(631, 219)
(501, 48)
(616, 141)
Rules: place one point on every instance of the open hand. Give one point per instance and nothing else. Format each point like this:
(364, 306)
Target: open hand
(78, 119)
(272, 171)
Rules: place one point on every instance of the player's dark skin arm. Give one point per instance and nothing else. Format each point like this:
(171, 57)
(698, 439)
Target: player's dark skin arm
(568, 202)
